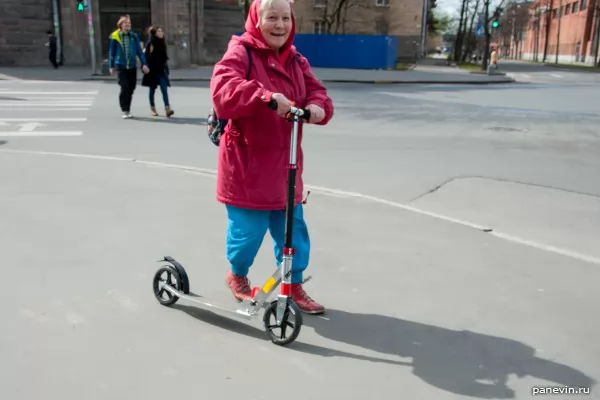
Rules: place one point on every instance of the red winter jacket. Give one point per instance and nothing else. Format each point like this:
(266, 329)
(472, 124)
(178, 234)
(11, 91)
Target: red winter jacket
(254, 149)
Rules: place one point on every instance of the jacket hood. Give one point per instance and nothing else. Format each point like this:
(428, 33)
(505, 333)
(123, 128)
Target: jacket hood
(254, 37)
(116, 34)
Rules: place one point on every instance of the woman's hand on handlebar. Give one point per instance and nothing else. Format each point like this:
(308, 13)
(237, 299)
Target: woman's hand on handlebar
(283, 104)
(317, 114)
(286, 110)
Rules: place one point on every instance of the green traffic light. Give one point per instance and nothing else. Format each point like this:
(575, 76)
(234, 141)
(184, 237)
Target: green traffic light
(80, 7)
(495, 24)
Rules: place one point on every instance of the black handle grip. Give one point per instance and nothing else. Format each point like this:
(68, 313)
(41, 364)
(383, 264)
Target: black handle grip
(305, 113)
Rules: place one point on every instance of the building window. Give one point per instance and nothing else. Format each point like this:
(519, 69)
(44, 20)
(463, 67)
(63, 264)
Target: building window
(382, 3)
(319, 27)
(567, 9)
(583, 5)
(319, 3)
(575, 7)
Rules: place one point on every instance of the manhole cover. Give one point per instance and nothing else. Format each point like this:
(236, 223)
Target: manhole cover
(506, 129)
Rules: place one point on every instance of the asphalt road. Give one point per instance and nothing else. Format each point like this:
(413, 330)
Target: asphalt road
(454, 233)
(555, 75)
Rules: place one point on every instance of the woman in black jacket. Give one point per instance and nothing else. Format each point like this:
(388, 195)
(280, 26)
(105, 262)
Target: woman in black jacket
(156, 57)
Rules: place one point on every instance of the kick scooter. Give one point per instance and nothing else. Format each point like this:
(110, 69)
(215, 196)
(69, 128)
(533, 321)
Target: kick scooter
(171, 281)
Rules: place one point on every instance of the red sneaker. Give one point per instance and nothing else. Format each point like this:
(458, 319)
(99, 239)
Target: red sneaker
(239, 285)
(305, 303)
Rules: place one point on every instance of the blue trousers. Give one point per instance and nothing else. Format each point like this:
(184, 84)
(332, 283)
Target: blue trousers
(246, 230)
(163, 90)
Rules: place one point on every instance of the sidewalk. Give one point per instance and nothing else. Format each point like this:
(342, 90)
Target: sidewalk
(420, 74)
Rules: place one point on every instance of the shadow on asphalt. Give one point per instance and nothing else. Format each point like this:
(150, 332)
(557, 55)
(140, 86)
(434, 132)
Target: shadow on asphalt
(460, 362)
(173, 120)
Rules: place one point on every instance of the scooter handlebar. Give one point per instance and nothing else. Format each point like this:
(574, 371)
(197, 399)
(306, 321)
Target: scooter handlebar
(301, 112)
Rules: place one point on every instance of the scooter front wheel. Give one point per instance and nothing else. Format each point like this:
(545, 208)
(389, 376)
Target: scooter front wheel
(166, 276)
(280, 334)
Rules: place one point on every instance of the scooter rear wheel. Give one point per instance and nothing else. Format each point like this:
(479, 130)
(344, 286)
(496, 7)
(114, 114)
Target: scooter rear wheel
(169, 276)
(270, 320)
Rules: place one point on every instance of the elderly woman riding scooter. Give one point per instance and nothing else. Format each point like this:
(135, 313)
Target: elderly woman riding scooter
(253, 152)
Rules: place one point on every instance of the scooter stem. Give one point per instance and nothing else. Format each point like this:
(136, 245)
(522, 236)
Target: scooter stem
(288, 249)
(294, 115)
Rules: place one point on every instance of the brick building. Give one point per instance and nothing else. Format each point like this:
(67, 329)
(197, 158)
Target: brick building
(402, 18)
(197, 31)
(568, 23)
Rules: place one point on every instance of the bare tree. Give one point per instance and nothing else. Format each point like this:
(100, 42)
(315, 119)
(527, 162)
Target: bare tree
(471, 42)
(520, 23)
(458, 44)
(596, 38)
(462, 30)
(560, 14)
(504, 33)
(513, 24)
(549, 5)
(335, 14)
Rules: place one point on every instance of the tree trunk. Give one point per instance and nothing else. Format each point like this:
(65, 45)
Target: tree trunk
(486, 46)
(596, 33)
(470, 33)
(549, 3)
(459, 35)
(560, 14)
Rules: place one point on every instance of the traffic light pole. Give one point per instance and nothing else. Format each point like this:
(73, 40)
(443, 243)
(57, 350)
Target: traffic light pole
(486, 27)
(91, 34)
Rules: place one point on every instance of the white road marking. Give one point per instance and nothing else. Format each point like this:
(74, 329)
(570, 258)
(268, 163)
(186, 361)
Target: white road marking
(40, 104)
(45, 109)
(50, 82)
(339, 193)
(29, 126)
(76, 155)
(46, 99)
(43, 93)
(40, 133)
(43, 119)
(555, 75)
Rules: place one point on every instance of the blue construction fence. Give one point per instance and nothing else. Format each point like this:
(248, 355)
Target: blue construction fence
(349, 51)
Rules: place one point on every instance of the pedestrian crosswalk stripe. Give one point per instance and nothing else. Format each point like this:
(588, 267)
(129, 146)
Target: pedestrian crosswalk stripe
(43, 119)
(2, 92)
(55, 104)
(40, 133)
(44, 109)
(49, 104)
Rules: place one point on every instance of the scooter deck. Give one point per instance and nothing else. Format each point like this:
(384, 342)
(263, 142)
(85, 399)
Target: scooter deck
(246, 310)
